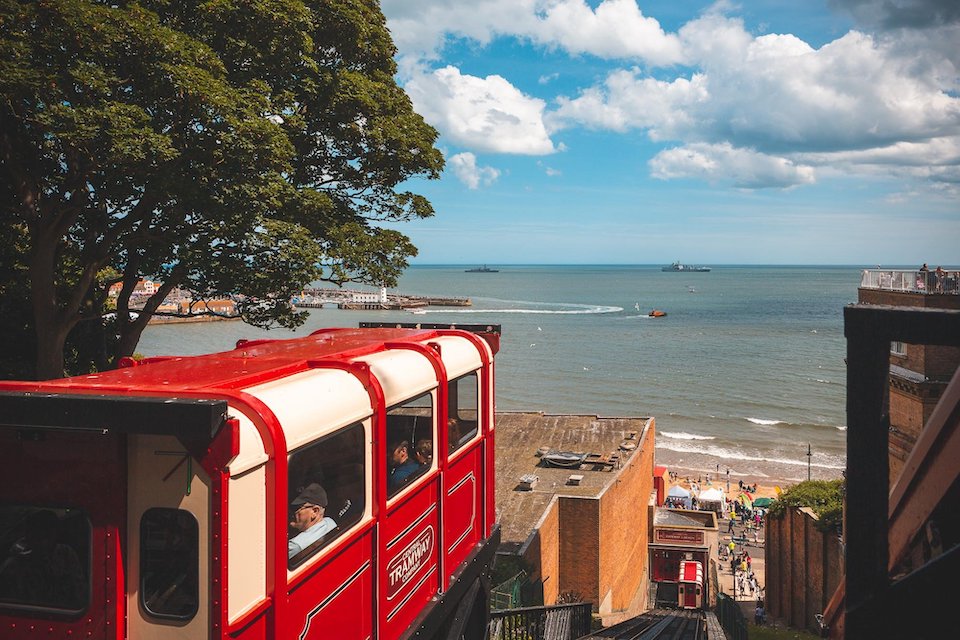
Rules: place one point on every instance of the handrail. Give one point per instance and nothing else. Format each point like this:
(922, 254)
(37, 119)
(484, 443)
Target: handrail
(911, 281)
(554, 622)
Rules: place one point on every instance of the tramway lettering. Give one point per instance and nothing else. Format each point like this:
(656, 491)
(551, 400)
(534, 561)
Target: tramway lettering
(409, 561)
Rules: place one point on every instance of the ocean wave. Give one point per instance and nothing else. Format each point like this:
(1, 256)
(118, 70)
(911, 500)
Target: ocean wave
(683, 435)
(843, 428)
(834, 462)
(766, 423)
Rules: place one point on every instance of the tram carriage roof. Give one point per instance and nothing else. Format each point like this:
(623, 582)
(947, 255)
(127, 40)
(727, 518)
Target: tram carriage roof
(258, 367)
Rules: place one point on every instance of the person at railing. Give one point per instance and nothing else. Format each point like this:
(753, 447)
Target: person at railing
(940, 275)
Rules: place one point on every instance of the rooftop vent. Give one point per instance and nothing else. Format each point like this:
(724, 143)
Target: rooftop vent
(528, 481)
(575, 479)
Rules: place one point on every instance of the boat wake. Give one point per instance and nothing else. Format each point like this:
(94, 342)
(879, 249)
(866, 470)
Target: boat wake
(560, 308)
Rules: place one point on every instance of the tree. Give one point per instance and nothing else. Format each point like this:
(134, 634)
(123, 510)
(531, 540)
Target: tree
(240, 148)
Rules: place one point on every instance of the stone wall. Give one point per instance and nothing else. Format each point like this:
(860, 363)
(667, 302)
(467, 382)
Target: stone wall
(803, 568)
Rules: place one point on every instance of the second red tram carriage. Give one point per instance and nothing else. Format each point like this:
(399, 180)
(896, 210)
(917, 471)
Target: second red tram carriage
(334, 486)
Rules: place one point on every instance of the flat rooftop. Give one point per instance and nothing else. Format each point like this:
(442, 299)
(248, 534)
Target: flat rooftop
(521, 436)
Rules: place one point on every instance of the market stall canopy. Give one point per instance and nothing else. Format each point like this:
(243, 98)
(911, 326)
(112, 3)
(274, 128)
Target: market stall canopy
(712, 495)
(676, 491)
(763, 502)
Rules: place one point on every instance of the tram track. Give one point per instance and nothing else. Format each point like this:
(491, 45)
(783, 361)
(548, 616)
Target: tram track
(658, 624)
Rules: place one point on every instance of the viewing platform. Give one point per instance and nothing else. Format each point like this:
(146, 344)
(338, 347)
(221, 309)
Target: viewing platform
(929, 282)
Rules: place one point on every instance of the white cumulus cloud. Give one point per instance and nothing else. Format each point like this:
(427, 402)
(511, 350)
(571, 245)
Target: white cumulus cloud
(614, 29)
(484, 114)
(744, 168)
(465, 167)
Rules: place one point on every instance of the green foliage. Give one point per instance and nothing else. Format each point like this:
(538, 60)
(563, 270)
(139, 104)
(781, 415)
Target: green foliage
(242, 147)
(825, 497)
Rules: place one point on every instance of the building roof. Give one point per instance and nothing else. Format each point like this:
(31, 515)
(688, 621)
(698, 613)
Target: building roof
(684, 518)
(522, 435)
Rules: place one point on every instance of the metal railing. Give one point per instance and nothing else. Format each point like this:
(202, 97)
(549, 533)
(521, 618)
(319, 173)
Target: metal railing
(911, 281)
(559, 622)
(731, 618)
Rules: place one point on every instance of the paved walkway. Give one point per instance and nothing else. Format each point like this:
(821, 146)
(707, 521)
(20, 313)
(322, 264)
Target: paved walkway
(755, 549)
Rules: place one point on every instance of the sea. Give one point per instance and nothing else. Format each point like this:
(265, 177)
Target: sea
(745, 372)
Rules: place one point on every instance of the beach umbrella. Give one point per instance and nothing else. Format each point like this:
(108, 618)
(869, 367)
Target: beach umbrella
(763, 502)
(745, 500)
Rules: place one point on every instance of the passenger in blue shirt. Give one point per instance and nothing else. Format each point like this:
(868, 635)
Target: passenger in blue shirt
(402, 465)
(307, 517)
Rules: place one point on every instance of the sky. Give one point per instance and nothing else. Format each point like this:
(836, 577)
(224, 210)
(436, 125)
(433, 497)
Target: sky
(644, 132)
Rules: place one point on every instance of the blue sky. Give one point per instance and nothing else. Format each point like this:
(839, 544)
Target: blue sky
(627, 131)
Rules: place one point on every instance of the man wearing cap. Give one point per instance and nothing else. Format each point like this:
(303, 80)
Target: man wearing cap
(307, 517)
(402, 465)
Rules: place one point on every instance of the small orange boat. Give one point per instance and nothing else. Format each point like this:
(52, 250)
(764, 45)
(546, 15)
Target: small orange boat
(656, 313)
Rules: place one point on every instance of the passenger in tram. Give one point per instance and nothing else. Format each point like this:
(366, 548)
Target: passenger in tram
(423, 452)
(41, 571)
(307, 517)
(401, 464)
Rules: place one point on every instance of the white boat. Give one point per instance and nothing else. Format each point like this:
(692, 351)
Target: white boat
(418, 312)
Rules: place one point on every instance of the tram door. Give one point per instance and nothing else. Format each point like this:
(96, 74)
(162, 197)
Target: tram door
(463, 482)
(61, 506)
(168, 550)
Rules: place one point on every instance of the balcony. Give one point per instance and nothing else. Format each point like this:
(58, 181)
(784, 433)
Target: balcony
(911, 281)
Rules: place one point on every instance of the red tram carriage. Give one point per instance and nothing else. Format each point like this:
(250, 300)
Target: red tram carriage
(334, 486)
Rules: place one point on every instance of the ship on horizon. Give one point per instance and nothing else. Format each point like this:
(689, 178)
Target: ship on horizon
(483, 269)
(676, 266)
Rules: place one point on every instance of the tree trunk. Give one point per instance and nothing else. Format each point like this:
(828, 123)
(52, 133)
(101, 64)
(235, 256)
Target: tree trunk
(51, 325)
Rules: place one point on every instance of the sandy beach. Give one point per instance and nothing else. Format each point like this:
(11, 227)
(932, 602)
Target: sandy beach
(766, 474)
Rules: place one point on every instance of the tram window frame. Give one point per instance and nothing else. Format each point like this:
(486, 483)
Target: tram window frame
(13, 539)
(458, 415)
(345, 487)
(421, 427)
(186, 578)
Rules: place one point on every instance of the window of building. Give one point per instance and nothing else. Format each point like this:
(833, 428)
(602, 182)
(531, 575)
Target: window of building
(410, 442)
(463, 398)
(169, 563)
(898, 348)
(47, 558)
(327, 491)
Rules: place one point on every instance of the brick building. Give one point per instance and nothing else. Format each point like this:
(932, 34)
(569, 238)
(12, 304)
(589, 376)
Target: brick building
(581, 532)
(918, 373)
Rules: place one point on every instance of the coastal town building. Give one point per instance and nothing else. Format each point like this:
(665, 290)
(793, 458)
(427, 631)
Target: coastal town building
(919, 373)
(683, 535)
(901, 543)
(580, 531)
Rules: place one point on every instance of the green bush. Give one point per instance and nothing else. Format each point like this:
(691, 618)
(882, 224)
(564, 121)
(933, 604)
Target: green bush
(825, 497)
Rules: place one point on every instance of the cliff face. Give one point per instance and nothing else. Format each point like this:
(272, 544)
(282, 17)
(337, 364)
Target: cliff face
(803, 568)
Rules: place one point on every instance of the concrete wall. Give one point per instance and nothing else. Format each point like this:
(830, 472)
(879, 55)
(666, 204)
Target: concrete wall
(803, 568)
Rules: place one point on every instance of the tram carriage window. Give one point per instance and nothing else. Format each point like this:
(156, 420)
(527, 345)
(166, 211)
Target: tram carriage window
(409, 432)
(169, 563)
(45, 558)
(463, 407)
(326, 493)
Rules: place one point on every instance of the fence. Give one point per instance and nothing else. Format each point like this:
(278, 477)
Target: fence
(932, 282)
(731, 617)
(559, 622)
